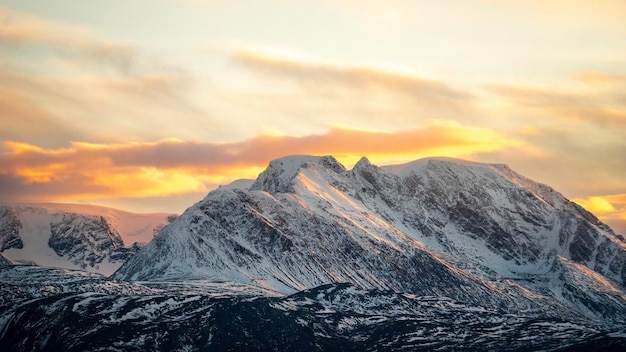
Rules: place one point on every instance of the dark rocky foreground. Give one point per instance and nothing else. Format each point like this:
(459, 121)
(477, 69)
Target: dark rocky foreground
(94, 313)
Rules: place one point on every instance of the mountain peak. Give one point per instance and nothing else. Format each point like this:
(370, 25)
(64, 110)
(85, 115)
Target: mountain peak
(279, 175)
(363, 161)
(307, 221)
(438, 252)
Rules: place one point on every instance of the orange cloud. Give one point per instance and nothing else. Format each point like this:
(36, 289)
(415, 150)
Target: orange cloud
(596, 77)
(535, 96)
(611, 209)
(597, 205)
(169, 167)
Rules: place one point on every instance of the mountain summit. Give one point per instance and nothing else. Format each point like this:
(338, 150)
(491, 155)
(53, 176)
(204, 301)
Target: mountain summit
(474, 232)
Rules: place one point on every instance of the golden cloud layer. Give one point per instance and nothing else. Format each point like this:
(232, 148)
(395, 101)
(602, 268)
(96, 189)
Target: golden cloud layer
(610, 209)
(173, 166)
(595, 77)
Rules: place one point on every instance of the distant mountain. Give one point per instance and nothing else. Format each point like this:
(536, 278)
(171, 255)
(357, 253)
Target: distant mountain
(472, 232)
(93, 238)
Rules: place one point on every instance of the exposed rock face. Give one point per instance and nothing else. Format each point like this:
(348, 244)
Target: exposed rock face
(4, 261)
(527, 224)
(86, 241)
(432, 227)
(73, 236)
(330, 317)
(10, 226)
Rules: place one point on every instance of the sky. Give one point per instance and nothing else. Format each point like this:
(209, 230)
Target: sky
(147, 105)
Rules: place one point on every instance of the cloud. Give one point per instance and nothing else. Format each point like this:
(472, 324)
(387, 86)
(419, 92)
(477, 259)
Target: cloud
(611, 209)
(596, 204)
(50, 111)
(597, 77)
(71, 80)
(297, 94)
(606, 110)
(23, 117)
(19, 30)
(578, 161)
(578, 12)
(370, 79)
(577, 132)
(169, 167)
(59, 82)
(536, 96)
(587, 123)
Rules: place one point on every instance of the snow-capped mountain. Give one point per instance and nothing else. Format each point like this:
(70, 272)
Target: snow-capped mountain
(434, 255)
(93, 238)
(476, 233)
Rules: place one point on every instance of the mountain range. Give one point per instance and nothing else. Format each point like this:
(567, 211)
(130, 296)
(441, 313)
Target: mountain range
(73, 236)
(436, 254)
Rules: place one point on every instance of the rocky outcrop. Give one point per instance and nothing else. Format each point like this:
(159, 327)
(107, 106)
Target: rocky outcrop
(85, 240)
(74, 236)
(10, 226)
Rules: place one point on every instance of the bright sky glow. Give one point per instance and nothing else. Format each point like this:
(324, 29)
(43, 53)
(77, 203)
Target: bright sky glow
(149, 104)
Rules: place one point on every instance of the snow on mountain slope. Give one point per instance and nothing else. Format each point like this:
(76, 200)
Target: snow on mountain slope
(132, 227)
(4, 261)
(243, 183)
(25, 283)
(334, 317)
(477, 233)
(490, 209)
(9, 229)
(73, 236)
